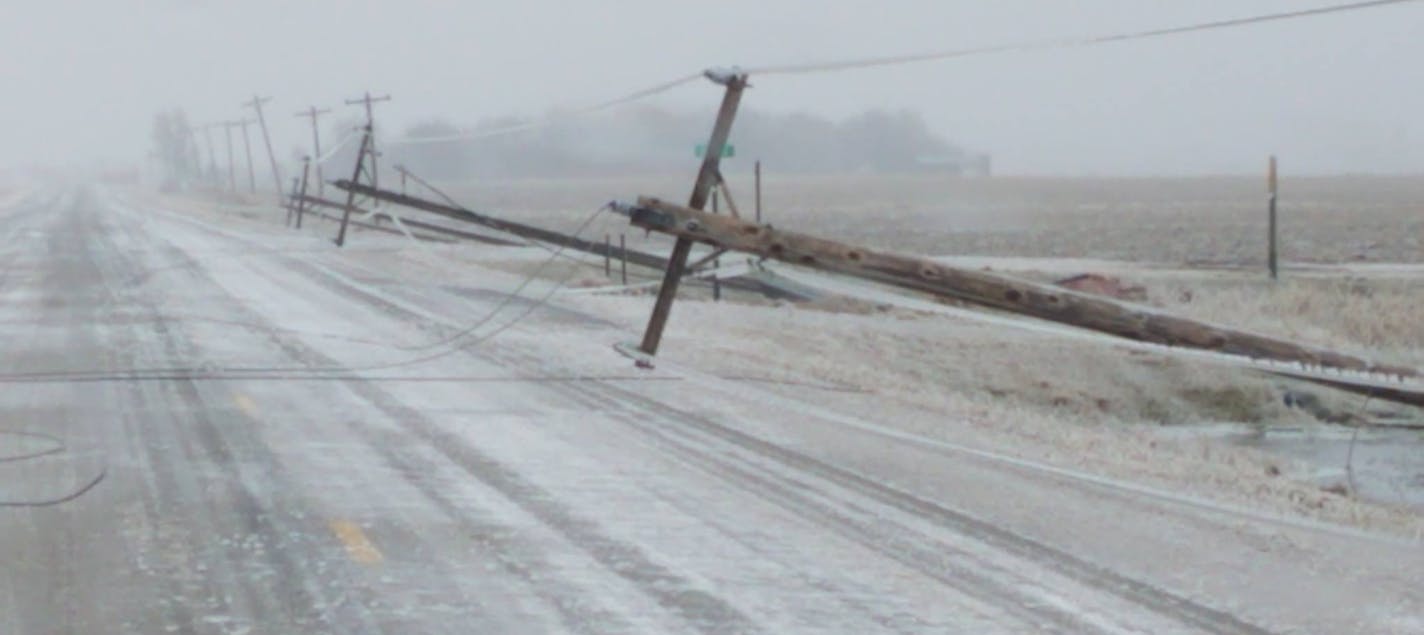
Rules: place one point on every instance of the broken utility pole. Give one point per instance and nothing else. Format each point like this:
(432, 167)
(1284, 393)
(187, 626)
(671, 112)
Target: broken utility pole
(300, 198)
(438, 232)
(313, 113)
(355, 178)
(256, 105)
(1041, 301)
(292, 201)
(709, 176)
(518, 229)
(454, 212)
(368, 101)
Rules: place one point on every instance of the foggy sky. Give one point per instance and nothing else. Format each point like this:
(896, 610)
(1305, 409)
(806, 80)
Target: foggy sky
(1340, 93)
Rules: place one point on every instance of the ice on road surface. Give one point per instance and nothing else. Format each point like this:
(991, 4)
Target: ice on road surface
(525, 477)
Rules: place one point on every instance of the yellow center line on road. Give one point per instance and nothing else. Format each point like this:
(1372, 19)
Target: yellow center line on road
(358, 546)
(246, 405)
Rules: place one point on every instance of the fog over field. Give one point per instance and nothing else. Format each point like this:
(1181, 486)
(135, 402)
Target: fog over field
(463, 316)
(1331, 94)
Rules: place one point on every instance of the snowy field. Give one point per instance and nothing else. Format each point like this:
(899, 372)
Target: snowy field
(1198, 221)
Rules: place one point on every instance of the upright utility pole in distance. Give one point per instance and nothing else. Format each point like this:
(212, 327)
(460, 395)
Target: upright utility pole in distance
(212, 154)
(247, 145)
(1271, 245)
(313, 113)
(368, 101)
(256, 105)
(231, 163)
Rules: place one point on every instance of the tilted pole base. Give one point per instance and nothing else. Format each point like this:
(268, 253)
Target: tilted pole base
(708, 177)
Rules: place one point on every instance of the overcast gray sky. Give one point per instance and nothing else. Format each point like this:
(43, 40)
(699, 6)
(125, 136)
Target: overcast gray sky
(1336, 93)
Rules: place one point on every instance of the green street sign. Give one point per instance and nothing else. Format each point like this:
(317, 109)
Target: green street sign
(728, 151)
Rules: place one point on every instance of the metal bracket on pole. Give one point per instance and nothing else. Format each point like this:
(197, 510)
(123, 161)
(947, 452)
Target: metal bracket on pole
(707, 178)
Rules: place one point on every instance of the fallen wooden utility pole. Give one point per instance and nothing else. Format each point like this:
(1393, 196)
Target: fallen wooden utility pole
(360, 168)
(518, 229)
(314, 203)
(551, 237)
(435, 229)
(987, 289)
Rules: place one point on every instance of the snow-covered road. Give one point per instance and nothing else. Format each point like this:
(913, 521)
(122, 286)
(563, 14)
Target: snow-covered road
(525, 477)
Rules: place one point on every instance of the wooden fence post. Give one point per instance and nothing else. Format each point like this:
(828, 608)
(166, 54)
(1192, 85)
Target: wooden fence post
(758, 191)
(1271, 241)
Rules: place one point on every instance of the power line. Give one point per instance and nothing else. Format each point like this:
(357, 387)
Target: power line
(314, 114)
(546, 122)
(336, 149)
(872, 62)
(1040, 45)
(334, 372)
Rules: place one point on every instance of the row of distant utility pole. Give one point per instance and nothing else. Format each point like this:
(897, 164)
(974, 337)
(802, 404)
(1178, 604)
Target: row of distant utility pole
(313, 114)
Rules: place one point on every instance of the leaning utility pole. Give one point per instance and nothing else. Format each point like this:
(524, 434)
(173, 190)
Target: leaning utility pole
(368, 101)
(300, 198)
(313, 113)
(984, 288)
(247, 145)
(708, 177)
(365, 149)
(256, 104)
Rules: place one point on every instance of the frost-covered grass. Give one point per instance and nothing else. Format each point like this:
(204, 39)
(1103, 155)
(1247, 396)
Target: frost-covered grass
(1172, 220)
(1066, 403)
(1379, 318)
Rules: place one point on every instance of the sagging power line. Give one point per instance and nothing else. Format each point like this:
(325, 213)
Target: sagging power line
(896, 60)
(369, 102)
(1040, 45)
(637, 95)
(313, 113)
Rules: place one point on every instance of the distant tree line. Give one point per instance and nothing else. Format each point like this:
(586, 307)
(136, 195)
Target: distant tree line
(650, 140)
